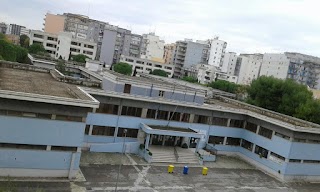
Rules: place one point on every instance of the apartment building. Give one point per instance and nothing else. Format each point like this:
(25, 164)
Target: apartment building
(248, 69)
(229, 63)
(14, 29)
(152, 47)
(3, 28)
(63, 45)
(146, 66)
(118, 41)
(188, 54)
(275, 65)
(168, 55)
(82, 27)
(217, 52)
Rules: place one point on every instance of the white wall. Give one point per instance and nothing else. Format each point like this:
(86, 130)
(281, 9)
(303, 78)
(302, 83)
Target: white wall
(275, 65)
(229, 63)
(154, 47)
(63, 47)
(217, 52)
(250, 68)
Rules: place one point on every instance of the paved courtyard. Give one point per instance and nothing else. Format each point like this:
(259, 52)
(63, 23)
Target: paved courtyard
(141, 177)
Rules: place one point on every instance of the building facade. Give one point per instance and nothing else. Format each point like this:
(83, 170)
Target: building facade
(188, 54)
(217, 51)
(14, 29)
(229, 63)
(63, 45)
(152, 47)
(168, 55)
(3, 28)
(146, 66)
(249, 66)
(53, 24)
(275, 65)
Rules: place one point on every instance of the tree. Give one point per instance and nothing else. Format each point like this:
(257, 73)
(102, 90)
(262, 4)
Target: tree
(80, 58)
(309, 111)
(61, 66)
(36, 48)
(159, 72)
(283, 96)
(11, 52)
(123, 68)
(190, 79)
(224, 86)
(1, 58)
(24, 41)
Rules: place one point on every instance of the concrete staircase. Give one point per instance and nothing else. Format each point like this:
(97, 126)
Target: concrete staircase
(163, 154)
(187, 156)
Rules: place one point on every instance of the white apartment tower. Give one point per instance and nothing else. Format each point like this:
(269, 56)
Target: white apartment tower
(217, 51)
(229, 63)
(250, 66)
(275, 65)
(152, 47)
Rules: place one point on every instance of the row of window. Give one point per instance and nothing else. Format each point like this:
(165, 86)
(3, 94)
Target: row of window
(109, 131)
(41, 116)
(36, 147)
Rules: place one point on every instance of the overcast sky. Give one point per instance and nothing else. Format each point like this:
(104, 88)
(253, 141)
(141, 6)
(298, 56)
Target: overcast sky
(249, 26)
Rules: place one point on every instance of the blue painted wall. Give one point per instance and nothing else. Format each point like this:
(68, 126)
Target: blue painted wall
(33, 159)
(41, 132)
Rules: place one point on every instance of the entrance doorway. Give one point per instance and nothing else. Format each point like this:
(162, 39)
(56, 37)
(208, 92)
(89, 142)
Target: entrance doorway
(193, 142)
(166, 140)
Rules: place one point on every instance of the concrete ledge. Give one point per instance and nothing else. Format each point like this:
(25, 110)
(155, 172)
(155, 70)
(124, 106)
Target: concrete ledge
(14, 172)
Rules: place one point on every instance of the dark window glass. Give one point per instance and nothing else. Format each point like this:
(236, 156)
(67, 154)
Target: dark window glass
(233, 141)
(133, 133)
(236, 123)
(265, 132)
(86, 131)
(131, 111)
(151, 113)
(251, 127)
(261, 151)
(103, 130)
(108, 109)
(219, 121)
(216, 140)
(246, 144)
(62, 148)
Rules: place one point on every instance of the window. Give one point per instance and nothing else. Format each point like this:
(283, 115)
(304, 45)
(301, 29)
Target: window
(219, 121)
(151, 113)
(311, 161)
(299, 140)
(38, 36)
(68, 118)
(129, 60)
(201, 119)
(88, 52)
(161, 93)
(108, 108)
(233, 141)
(88, 46)
(246, 144)
(251, 127)
(294, 160)
(185, 117)
(265, 132)
(23, 146)
(282, 136)
(140, 62)
(163, 115)
(132, 133)
(62, 148)
(103, 130)
(86, 131)
(75, 43)
(75, 50)
(277, 156)
(52, 39)
(216, 140)
(175, 116)
(127, 88)
(261, 151)
(236, 123)
(131, 111)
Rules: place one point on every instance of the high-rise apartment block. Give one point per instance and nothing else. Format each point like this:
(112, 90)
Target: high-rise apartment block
(275, 65)
(168, 55)
(248, 68)
(229, 63)
(217, 51)
(152, 47)
(3, 28)
(14, 29)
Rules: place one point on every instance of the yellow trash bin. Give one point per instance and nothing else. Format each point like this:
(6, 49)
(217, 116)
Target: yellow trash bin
(204, 171)
(170, 168)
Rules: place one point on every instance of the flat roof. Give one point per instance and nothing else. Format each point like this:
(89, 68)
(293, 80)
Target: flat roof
(167, 128)
(27, 82)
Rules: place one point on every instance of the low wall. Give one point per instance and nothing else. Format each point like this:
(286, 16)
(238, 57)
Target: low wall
(130, 147)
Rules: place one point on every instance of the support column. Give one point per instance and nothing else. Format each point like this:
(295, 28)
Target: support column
(146, 146)
(151, 138)
(71, 165)
(94, 110)
(244, 124)
(269, 152)
(48, 148)
(117, 127)
(164, 139)
(53, 116)
(253, 147)
(191, 118)
(175, 140)
(90, 129)
(225, 141)
(258, 129)
(144, 113)
(228, 123)
(181, 116)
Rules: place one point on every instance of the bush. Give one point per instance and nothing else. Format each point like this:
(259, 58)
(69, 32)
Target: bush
(36, 48)
(224, 86)
(123, 68)
(185, 146)
(159, 72)
(190, 79)
(79, 58)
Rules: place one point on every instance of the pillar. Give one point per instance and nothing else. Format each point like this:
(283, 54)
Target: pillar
(244, 124)
(181, 115)
(269, 152)
(144, 113)
(175, 140)
(53, 116)
(191, 118)
(147, 142)
(253, 147)
(164, 139)
(228, 123)
(94, 110)
(225, 140)
(48, 148)
(151, 138)
(71, 165)
(90, 129)
(258, 129)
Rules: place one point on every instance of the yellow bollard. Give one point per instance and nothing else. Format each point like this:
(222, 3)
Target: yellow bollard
(204, 171)
(170, 168)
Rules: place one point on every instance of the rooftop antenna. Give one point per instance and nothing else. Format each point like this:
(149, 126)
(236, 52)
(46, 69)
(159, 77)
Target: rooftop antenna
(89, 8)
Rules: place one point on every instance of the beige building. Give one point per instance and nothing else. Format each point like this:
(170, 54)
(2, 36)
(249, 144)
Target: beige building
(168, 53)
(54, 23)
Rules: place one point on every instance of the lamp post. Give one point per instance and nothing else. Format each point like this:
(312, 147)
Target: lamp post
(123, 152)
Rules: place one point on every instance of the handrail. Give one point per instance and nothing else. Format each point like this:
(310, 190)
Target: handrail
(175, 153)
